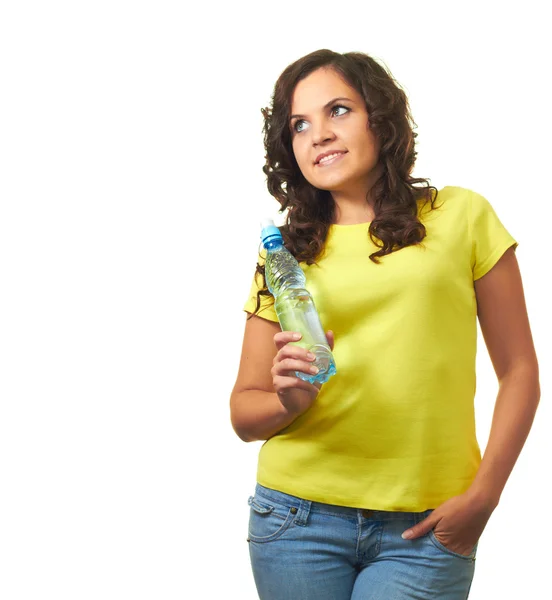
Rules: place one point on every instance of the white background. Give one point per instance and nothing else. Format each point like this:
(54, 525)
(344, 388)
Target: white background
(131, 193)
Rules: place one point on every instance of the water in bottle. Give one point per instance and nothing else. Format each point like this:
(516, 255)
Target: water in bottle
(293, 303)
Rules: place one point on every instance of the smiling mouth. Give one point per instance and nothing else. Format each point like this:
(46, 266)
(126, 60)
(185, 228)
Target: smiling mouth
(331, 161)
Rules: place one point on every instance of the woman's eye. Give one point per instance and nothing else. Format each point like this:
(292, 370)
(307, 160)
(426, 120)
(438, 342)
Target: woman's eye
(339, 106)
(333, 108)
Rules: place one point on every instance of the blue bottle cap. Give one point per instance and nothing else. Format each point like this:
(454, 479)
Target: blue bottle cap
(269, 231)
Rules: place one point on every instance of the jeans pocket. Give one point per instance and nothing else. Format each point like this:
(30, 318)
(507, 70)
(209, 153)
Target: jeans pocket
(268, 520)
(439, 545)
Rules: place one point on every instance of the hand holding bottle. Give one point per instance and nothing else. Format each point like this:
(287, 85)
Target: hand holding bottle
(295, 394)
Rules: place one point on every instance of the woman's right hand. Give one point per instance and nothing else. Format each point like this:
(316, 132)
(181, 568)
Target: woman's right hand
(296, 395)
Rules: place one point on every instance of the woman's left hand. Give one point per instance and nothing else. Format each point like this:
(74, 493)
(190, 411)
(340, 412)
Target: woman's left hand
(457, 523)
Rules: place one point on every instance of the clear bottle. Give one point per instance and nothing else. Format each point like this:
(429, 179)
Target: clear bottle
(293, 303)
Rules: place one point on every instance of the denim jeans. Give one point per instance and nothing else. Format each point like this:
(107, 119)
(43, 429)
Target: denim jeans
(305, 550)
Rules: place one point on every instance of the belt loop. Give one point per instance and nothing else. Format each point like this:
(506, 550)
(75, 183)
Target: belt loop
(303, 514)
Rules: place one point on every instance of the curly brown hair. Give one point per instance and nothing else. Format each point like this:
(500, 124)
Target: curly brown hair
(312, 210)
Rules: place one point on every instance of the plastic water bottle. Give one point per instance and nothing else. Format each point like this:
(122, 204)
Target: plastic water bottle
(293, 303)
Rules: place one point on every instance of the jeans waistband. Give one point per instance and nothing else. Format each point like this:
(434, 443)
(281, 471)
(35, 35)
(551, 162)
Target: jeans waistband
(347, 511)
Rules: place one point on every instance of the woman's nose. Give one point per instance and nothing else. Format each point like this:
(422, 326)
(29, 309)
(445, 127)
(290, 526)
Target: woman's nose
(322, 133)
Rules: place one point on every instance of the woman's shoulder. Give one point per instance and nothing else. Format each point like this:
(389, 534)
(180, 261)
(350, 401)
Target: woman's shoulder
(450, 200)
(455, 193)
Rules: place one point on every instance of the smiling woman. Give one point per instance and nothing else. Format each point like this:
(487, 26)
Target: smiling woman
(388, 445)
(341, 131)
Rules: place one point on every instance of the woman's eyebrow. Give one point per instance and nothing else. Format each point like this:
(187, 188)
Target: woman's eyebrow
(325, 106)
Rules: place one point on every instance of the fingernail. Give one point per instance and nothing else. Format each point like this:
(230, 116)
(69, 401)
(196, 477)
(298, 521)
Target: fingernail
(296, 336)
(310, 355)
(407, 535)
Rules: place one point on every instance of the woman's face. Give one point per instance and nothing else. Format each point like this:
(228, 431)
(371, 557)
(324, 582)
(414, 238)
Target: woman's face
(341, 125)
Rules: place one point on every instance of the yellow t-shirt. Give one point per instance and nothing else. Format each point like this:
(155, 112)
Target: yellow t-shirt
(394, 428)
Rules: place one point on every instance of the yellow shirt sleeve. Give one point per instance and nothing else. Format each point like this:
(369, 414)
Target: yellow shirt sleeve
(488, 237)
(266, 308)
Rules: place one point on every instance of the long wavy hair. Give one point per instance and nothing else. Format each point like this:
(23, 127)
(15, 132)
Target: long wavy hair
(311, 210)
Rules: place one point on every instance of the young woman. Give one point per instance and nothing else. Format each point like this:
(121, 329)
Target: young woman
(388, 444)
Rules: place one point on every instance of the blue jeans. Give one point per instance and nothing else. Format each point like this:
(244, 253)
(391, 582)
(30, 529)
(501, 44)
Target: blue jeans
(304, 550)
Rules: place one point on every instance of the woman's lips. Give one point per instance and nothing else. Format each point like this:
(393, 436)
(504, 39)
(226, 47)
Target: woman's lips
(332, 161)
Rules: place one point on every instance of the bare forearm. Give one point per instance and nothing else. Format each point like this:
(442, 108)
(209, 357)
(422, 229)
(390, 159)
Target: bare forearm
(516, 404)
(258, 415)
